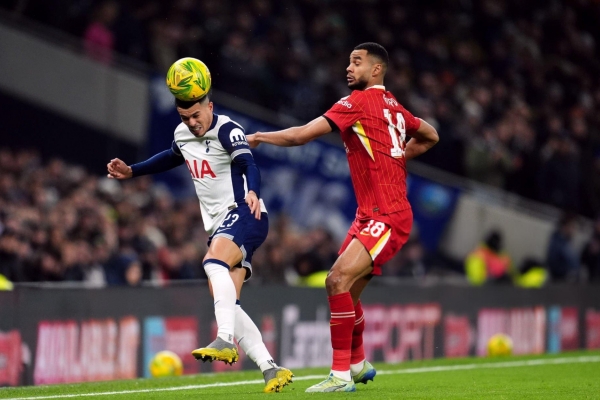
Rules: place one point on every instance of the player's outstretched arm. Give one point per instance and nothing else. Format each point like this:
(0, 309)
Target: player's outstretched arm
(422, 140)
(295, 136)
(160, 162)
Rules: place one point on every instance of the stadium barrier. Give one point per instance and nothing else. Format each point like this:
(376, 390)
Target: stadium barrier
(52, 336)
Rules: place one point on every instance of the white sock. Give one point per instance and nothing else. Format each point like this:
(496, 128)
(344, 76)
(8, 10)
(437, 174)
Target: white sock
(344, 375)
(250, 340)
(356, 368)
(224, 297)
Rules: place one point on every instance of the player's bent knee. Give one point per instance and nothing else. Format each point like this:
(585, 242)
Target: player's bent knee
(337, 282)
(213, 266)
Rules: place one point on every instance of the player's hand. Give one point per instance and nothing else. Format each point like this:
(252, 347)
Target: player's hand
(253, 203)
(117, 169)
(252, 142)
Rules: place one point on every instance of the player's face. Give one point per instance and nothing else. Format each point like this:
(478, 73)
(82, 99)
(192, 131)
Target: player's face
(360, 70)
(197, 118)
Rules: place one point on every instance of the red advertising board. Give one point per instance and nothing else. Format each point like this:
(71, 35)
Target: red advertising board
(592, 329)
(93, 350)
(458, 336)
(181, 337)
(10, 358)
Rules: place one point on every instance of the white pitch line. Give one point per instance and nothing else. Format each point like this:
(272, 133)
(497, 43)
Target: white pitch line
(446, 368)
(507, 364)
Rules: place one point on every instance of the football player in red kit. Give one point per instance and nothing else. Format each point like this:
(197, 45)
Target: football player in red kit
(374, 127)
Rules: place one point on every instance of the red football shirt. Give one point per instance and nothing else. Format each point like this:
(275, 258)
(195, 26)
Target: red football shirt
(374, 126)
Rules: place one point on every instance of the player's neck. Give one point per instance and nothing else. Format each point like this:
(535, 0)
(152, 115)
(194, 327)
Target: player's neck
(375, 85)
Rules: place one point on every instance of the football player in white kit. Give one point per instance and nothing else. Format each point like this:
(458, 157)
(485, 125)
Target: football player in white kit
(227, 183)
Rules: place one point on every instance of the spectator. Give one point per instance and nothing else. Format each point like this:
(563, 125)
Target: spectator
(310, 271)
(124, 270)
(10, 260)
(44, 267)
(593, 185)
(99, 40)
(410, 262)
(590, 257)
(71, 262)
(5, 284)
(560, 173)
(488, 160)
(561, 257)
(488, 263)
(173, 264)
(273, 263)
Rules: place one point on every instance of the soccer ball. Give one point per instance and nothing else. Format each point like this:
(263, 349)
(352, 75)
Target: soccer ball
(500, 345)
(165, 363)
(188, 79)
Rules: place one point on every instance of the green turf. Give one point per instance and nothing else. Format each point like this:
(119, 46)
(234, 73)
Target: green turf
(561, 376)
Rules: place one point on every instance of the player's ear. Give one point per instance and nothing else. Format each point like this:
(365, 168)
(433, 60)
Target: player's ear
(377, 69)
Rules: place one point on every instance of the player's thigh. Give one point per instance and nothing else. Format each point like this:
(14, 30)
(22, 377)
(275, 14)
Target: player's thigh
(225, 250)
(354, 263)
(246, 232)
(392, 238)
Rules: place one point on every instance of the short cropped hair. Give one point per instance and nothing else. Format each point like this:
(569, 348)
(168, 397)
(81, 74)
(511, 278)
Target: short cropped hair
(377, 50)
(188, 104)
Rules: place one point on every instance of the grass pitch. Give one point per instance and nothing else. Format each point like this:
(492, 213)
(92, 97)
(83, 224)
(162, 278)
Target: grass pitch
(566, 376)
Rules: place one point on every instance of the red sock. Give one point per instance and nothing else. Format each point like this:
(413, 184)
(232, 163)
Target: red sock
(358, 352)
(341, 326)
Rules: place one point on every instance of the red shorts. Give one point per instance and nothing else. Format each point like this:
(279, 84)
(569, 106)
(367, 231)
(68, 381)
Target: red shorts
(381, 235)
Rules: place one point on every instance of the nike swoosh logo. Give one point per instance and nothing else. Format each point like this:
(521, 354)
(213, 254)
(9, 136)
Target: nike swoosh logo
(330, 324)
(334, 388)
(182, 144)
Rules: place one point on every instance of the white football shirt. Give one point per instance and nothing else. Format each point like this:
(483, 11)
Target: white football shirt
(220, 183)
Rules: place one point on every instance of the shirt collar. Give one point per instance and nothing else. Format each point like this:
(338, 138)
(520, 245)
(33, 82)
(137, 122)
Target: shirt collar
(214, 122)
(380, 87)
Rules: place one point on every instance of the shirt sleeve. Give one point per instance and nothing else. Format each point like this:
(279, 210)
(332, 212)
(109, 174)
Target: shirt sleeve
(412, 123)
(246, 162)
(345, 112)
(233, 140)
(175, 149)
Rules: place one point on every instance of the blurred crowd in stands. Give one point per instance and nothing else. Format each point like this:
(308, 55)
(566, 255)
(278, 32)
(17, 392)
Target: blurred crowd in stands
(490, 263)
(512, 86)
(59, 223)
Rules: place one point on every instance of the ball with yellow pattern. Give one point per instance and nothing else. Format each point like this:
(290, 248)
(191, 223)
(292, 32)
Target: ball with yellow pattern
(188, 79)
(500, 345)
(165, 363)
